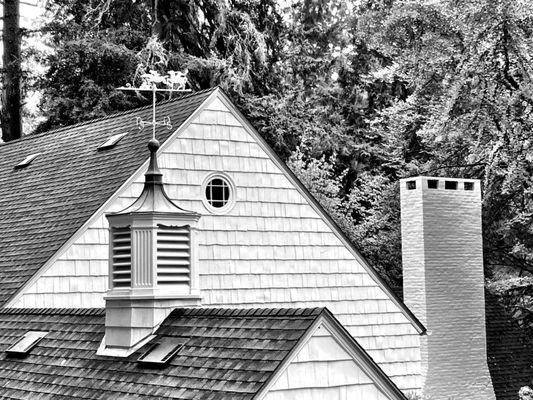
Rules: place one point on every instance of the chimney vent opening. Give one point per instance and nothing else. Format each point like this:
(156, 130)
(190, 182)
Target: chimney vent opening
(433, 183)
(469, 186)
(411, 185)
(450, 185)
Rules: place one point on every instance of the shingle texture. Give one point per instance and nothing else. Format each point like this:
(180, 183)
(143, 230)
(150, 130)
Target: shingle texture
(510, 352)
(45, 203)
(228, 354)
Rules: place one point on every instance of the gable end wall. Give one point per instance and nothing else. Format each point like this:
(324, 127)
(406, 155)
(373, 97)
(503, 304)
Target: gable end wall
(322, 369)
(272, 249)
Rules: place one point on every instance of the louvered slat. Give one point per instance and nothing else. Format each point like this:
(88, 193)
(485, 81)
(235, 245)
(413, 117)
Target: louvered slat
(173, 256)
(121, 257)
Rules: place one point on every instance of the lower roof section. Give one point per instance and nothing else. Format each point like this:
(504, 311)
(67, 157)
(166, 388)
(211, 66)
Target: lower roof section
(219, 354)
(228, 354)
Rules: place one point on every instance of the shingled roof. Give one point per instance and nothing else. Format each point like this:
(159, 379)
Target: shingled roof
(45, 204)
(228, 354)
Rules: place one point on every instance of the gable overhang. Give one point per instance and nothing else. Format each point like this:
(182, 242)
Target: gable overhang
(219, 94)
(346, 341)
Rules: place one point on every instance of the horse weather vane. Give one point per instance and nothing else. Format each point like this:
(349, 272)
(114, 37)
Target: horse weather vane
(174, 82)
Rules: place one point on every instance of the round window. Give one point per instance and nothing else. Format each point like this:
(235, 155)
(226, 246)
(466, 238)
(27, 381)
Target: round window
(219, 193)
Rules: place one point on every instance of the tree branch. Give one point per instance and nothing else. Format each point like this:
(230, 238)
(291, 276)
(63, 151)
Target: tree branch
(448, 166)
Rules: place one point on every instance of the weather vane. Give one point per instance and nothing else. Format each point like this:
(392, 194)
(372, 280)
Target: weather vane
(174, 82)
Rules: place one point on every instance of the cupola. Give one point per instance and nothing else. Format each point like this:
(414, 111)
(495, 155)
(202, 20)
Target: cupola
(152, 266)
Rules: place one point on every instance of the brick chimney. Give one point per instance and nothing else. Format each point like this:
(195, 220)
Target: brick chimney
(443, 284)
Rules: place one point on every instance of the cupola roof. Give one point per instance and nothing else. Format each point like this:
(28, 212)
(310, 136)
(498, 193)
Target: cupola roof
(154, 199)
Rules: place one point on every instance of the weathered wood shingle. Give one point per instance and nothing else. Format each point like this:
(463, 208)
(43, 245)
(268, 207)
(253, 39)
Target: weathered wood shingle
(46, 202)
(228, 354)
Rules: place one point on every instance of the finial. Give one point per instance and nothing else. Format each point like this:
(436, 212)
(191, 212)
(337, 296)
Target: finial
(153, 175)
(153, 145)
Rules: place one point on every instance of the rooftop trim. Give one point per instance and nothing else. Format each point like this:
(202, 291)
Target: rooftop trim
(52, 311)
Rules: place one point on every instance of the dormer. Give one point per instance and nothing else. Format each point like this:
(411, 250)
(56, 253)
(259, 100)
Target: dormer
(152, 267)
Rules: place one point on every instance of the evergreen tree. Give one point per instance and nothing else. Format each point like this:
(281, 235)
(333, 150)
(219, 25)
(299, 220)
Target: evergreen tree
(354, 95)
(100, 44)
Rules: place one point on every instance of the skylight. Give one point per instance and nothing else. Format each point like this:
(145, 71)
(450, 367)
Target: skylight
(27, 161)
(161, 352)
(26, 343)
(112, 141)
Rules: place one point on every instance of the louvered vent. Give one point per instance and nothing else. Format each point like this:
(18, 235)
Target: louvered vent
(121, 243)
(173, 255)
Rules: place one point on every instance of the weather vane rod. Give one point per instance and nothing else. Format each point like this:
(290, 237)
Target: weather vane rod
(174, 82)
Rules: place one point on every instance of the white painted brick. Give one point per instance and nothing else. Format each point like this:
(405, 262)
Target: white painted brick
(442, 248)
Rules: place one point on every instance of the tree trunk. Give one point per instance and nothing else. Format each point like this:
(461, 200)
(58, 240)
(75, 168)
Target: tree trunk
(10, 117)
(157, 28)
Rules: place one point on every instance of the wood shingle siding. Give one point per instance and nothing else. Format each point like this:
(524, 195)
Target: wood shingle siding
(322, 369)
(272, 249)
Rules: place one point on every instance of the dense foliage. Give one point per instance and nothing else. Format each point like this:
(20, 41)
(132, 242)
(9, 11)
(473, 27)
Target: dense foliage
(353, 96)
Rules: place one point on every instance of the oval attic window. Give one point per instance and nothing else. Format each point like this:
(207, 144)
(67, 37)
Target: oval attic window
(218, 193)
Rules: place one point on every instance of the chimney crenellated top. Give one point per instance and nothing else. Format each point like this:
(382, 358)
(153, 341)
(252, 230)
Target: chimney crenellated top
(440, 183)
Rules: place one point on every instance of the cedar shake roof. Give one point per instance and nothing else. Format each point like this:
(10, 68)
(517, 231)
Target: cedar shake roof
(228, 354)
(509, 350)
(44, 204)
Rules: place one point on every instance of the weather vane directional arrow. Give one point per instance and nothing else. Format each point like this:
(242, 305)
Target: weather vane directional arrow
(175, 82)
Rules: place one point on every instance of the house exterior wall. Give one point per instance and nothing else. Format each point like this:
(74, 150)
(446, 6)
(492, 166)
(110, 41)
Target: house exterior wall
(322, 369)
(272, 249)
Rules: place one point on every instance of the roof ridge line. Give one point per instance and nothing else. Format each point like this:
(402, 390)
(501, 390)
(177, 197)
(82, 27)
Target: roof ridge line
(106, 117)
(256, 312)
(53, 311)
